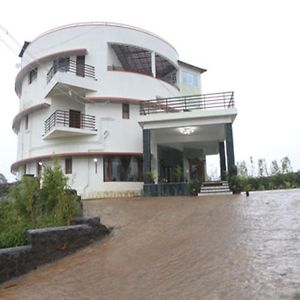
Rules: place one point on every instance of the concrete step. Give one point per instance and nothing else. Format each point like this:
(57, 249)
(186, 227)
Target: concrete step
(215, 188)
(208, 188)
(214, 194)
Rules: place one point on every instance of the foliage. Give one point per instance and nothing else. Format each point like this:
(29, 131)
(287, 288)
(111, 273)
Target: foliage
(274, 167)
(177, 173)
(277, 181)
(262, 167)
(242, 169)
(150, 176)
(238, 183)
(3, 180)
(286, 165)
(194, 187)
(4, 186)
(280, 176)
(36, 205)
(26, 198)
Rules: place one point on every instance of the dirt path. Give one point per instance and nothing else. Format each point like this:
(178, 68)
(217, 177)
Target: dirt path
(225, 247)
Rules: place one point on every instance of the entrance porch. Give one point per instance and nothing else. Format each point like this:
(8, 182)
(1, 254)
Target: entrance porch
(177, 142)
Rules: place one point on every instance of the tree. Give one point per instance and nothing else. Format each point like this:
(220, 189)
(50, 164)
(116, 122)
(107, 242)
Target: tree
(242, 169)
(252, 167)
(274, 167)
(3, 179)
(286, 165)
(262, 167)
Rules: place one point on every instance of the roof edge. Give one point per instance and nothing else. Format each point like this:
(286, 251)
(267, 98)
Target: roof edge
(180, 62)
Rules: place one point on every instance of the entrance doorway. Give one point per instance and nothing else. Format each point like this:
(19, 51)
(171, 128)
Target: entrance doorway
(197, 173)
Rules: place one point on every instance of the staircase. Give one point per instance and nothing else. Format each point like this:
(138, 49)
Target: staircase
(214, 188)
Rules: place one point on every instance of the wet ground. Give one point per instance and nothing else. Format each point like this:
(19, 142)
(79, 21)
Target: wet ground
(222, 247)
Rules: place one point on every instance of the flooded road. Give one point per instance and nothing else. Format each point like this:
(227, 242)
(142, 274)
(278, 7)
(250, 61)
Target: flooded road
(222, 247)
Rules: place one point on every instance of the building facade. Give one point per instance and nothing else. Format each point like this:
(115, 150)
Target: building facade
(114, 103)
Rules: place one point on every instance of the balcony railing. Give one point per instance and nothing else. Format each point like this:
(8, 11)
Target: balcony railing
(82, 70)
(71, 119)
(224, 100)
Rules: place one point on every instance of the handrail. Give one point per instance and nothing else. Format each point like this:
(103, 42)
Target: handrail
(67, 119)
(82, 70)
(223, 100)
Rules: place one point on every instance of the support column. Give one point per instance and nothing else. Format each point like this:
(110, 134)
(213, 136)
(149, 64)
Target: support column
(153, 64)
(222, 160)
(230, 150)
(146, 154)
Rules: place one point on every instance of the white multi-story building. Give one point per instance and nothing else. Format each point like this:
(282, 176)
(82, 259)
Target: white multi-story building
(114, 102)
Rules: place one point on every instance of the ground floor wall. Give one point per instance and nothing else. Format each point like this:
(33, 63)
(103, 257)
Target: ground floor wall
(87, 176)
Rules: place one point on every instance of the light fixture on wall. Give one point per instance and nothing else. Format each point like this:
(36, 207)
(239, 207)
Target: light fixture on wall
(96, 164)
(186, 130)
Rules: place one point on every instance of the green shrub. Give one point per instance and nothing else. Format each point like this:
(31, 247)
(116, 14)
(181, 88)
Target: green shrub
(35, 203)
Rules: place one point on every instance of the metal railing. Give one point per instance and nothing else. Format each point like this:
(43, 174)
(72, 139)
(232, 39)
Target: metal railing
(211, 101)
(82, 70)
(69, 119)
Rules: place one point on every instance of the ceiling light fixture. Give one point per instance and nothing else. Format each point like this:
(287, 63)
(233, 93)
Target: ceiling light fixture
(186, 130)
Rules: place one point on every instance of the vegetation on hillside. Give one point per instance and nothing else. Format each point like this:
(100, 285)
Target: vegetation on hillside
(36, 202)
(258, 177)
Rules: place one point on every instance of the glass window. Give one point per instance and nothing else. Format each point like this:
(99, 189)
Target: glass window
(125, 111)
(123, 168)
(68, 165)
(32, 75)
(190, 79)
(62, 64)
(26, 121)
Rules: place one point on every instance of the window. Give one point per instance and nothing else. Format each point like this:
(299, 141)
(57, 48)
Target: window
(125, 111)
(123, 168)
(26, 122)
(62, 64)
(32, 75)
(68, 165)
(190, 79)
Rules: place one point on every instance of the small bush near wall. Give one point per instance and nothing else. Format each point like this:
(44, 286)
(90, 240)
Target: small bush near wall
(34, 203)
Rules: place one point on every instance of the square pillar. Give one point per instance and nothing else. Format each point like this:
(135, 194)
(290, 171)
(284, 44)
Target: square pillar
(146, 154)
(230, 150)
(222, 160)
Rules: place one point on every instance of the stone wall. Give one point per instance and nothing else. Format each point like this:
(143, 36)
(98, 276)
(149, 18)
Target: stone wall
(48, 244)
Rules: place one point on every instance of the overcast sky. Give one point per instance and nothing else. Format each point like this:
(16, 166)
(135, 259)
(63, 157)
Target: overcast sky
(249, 47)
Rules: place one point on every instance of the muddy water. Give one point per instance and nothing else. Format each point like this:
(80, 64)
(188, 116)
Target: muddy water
(225, 247)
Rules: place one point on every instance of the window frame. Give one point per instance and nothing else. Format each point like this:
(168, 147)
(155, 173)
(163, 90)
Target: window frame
(26, 124)
(117, 168)
(125, 111)
(68, 165)
(33, 75)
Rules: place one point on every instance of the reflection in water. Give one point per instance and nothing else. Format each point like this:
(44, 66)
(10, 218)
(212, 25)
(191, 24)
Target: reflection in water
(225, 247)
